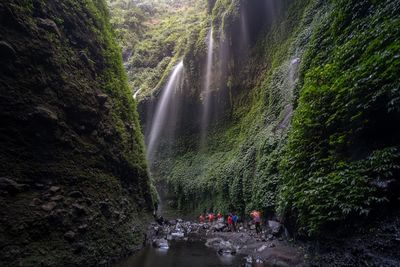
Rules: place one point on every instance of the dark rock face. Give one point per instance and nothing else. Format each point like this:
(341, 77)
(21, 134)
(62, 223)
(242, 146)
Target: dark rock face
(69, 139)
(373, 244)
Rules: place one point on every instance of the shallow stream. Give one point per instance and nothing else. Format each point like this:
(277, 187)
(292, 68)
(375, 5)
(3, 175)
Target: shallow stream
(181, 254)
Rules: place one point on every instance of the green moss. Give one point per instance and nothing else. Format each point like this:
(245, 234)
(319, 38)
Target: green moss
(321, 170)
(92, 142)
(238, 169)
(350, 82)
(162, 39)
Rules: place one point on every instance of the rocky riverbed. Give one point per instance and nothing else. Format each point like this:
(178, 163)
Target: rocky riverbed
(269, 248)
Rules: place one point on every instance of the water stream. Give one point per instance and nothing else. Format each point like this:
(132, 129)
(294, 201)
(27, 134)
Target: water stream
(181, 254)
(206, 94)
(164, 106)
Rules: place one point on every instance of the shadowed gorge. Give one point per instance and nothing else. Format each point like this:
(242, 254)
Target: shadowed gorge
(72, 164)
(200, 132)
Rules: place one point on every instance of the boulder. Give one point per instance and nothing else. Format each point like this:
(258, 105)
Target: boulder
(177, 234)
(49, 206)
(276, 227)
(161, 243)
(223, 247)
(218, 227)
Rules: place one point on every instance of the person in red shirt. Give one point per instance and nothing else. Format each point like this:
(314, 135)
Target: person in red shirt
(219, 216)
(202, 218)
(230, 222)
(211, 217)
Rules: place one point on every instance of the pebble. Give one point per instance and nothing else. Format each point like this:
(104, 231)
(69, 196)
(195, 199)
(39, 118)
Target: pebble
(54, 189)
(70, 235)
(49, 206)
(57, 198)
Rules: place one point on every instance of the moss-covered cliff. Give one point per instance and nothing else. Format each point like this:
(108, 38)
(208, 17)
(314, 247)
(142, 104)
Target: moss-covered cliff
(306, 114)
(74, 188)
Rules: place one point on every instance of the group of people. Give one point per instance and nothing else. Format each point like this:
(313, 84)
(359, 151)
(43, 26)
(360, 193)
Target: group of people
(232, 219)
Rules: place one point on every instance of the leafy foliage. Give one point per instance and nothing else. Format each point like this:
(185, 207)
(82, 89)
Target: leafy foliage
(343, 134)
(154, 34)
(343, 140)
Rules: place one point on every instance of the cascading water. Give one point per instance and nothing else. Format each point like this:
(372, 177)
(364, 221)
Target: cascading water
(162, 111)
(206, 93)
(136, 93)
(244, 32)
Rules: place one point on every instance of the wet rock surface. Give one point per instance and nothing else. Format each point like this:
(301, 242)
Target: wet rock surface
(377, 245)
(265, 249)
(63, 152)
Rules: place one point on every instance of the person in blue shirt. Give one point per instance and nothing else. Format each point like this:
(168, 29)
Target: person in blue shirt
(234, 220)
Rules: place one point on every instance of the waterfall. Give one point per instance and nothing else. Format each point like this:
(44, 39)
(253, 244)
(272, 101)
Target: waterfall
(244, 32)
(136, 93)
(206, 93)
(162, 111)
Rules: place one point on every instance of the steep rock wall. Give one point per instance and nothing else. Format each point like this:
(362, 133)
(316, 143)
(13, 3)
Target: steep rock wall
(333, 65)
(74, 188)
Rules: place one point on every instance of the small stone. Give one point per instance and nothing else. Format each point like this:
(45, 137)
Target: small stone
(83, 227)
(70, 235)
(54, 189)
(57, 198)
(49, 206)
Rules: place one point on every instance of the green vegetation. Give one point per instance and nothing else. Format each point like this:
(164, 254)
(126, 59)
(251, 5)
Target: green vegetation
(154, 35)
(323, 169)
(343, 135)
(74, 179)
(239, 168)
